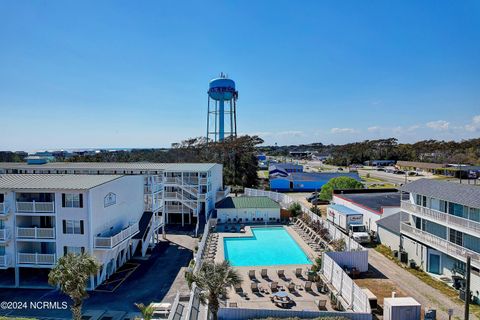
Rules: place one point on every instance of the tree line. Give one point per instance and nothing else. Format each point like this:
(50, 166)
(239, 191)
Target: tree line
(465, 151)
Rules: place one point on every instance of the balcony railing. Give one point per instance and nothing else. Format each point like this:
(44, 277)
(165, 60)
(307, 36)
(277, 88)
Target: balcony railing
(36, 207)
(221, 194)
(36, 258)
(35, 233)
(5, 261)
(114, 240)
(5, 234)
(440, 244)
(4, 209)
(152, 188)
(438, 216)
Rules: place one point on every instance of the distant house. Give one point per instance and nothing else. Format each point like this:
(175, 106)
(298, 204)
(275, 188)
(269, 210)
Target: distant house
(306, 181)
(261, 157)
(379, 163)
(283, 169)
(247, 209)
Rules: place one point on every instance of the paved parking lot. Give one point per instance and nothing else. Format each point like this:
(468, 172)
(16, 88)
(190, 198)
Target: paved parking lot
(150, 281)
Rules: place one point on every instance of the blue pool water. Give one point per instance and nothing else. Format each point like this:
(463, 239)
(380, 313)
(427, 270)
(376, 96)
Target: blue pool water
(267, 247)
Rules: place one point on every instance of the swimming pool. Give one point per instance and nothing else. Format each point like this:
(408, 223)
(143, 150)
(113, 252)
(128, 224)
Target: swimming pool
(268, 247)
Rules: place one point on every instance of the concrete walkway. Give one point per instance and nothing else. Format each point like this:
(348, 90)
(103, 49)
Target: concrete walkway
(427, 296)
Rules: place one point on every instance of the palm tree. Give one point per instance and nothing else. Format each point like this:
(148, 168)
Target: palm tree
(71, 273)
(214, 279)
(145, 310)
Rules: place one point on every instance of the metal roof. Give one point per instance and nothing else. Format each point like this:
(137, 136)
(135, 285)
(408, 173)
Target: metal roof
(143, 166)
(343, 209)
(247, 202)
(53, 181)
(468, 195)
(392, 222)
(374, 201)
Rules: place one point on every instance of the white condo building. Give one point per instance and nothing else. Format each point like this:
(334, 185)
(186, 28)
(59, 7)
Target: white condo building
(43, 217)
(442, 229)
(50, 209)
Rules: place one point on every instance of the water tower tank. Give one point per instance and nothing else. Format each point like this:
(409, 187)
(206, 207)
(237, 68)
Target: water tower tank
(221, 89)
(222, 95)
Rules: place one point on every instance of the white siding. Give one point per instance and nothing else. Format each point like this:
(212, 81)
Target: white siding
(224, 214)
(388, 238)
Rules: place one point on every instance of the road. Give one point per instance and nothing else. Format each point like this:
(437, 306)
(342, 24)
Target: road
(427, 296)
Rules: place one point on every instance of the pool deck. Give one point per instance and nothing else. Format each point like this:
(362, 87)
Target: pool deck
(303, 300)
(220, 255)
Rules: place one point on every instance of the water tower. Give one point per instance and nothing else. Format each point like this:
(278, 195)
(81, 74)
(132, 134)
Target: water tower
(222, 103)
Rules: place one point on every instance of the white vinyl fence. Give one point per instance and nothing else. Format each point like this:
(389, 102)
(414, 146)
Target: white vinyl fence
(241, 314)
(285, 201)
(201, 246)
(352, 296)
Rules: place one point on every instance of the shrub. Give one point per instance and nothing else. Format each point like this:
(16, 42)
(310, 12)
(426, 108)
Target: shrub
(295, 209)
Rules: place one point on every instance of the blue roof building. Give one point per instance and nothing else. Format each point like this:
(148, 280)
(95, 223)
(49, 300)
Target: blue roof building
(306, 181)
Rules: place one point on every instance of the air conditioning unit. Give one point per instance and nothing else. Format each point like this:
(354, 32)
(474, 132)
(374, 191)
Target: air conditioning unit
(404, 257)
(412, 264)
(430, 314)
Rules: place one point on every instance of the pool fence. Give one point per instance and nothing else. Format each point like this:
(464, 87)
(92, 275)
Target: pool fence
(285, 201)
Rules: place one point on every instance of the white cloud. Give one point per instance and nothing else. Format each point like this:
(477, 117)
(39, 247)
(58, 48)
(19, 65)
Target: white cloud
(373, 129)
(474, 126)
(342, 130)
(439, 125)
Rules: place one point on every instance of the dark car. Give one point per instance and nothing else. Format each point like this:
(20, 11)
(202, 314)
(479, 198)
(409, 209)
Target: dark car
(312, 197)
(318, 202)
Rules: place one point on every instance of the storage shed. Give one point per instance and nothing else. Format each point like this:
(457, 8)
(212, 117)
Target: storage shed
(405, 308)
(248, 210)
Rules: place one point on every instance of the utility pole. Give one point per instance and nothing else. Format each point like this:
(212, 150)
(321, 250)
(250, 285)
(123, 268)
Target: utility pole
(467, 290)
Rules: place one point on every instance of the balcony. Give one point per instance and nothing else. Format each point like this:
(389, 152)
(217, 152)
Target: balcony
(35, 233)
(110, 242)
(222, 194)
(5, 234)
(446, 219)
(440, 244)
(5, 262)
(4, 209)
(36, 258)
(36, 207)
(148, 189)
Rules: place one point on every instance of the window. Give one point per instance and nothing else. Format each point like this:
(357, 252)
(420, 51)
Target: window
(73, 227)
(456, 237)
(456, 209)
(72, 200)
(74, 250)
(2, 199)
(474, 214)
(443, 206)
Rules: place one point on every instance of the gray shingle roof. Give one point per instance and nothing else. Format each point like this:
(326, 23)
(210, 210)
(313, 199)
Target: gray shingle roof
(247, 202)
(53, 181)
(392, 222)
(110, 166)
(468, 195)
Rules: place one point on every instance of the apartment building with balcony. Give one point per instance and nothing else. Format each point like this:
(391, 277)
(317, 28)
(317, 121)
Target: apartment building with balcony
(442, 229)
(182, 193)
(45, 216)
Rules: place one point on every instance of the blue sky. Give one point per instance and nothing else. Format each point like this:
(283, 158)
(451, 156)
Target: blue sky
(135, 73)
